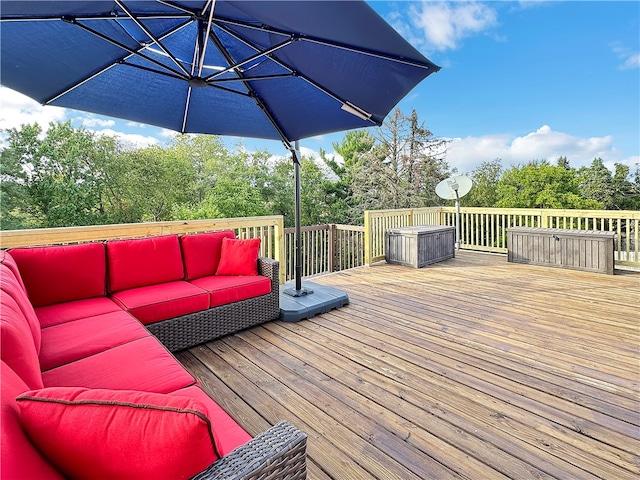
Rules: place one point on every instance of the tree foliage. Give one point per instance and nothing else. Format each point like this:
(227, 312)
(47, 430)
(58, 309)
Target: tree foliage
(68, 176)
(402, 168)
(541, 185)
(485, 179)
(55, 180)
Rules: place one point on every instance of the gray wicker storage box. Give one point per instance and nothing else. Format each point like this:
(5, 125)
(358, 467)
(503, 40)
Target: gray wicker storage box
(587, 250)
(419, 245)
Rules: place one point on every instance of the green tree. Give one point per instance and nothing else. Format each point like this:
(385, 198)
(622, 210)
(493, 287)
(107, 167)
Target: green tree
(563, 162)
(626, 190)
(485, 182)
(280, 196)
(53, 180)
(403, 167)
(541, 185)
(596, 183)
(338, 192)
(149, 184)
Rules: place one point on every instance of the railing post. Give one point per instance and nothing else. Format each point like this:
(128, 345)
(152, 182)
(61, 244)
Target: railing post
(544, 218)
(332, 250)
(367, 239)
(279, 248)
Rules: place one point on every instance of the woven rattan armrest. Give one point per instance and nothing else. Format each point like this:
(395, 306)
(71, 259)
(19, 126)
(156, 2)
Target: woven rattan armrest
(277, 454)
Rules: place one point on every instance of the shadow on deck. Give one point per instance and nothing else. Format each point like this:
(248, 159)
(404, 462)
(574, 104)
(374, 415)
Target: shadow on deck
(469, 368)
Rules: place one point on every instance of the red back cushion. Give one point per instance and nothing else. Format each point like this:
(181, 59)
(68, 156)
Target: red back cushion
(62, 273)
(125, 434)
(239, 257)
(17, 347)
(201, 252)
(20, 458)
(9, 261)
(9, 285)
(144, 261)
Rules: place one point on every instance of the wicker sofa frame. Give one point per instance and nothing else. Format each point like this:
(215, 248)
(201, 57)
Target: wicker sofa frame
(189, 330)
(279, 453)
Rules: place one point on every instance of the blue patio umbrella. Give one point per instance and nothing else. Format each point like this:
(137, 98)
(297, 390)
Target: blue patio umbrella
(283, 70)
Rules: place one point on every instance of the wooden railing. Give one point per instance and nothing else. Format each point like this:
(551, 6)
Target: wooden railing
(485, 229)
(330, 248)
(325, 248)
(270, 229)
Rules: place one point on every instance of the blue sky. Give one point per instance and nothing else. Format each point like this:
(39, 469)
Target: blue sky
(520, 81)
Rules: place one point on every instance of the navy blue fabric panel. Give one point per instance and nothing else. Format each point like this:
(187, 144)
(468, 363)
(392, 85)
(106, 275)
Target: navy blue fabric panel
(320, 54)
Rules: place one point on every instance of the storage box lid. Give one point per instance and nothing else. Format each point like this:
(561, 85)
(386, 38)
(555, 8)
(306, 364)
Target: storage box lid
(418, 229)
(561, 231)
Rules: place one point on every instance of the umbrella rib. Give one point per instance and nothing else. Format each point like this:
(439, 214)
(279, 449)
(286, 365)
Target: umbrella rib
(204, 47)
(186, 110)
(244, 79)
(252, 93)
(119, 61)
(177, 7)
(151, 36)
(298, 74)
(158, 72)
(250, 59)
(363, 51)
(56, 18)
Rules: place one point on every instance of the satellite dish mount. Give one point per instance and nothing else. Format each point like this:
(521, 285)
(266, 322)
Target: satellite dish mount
(454, 188)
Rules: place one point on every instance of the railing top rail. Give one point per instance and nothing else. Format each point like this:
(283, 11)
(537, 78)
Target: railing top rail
(50, 236)
(401, 211)
(311, 228)
(634, 214)
(351, 228)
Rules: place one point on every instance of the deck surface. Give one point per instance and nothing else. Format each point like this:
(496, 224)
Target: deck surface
(469, 368)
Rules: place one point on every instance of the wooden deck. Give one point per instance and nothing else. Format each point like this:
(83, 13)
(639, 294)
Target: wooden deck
(470, 368)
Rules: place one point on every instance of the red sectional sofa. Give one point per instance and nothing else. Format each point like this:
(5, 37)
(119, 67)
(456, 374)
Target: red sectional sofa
(87, 389)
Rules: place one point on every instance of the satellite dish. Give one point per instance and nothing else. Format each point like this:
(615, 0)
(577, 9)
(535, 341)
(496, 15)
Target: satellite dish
(453, 188)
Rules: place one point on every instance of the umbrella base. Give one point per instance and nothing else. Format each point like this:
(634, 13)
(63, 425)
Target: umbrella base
(317, 299)
(297, 293)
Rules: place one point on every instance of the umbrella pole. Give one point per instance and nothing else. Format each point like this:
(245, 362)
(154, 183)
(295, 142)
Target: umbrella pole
(298, 291)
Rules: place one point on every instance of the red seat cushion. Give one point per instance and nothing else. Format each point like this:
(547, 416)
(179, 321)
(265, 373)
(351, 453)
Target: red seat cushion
(144, 261)
(239, 257)
(142, 364)
(201, 252)
(229, 289)
(19, 457)
(62, 273)
(17, 347)
(69, 311)
(71, 341)
(159, 302)
(227, 433)
(125, 434)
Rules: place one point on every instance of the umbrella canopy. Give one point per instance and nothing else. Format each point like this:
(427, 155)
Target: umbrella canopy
(281, 70)
(266, 69)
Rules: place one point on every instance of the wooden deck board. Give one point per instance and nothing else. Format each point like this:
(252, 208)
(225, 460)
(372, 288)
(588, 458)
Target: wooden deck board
(469, 368)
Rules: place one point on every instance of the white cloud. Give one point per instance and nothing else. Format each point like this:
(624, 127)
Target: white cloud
(129, 140)
(136, 125)
(90, 122)
(166, 133)
(443, 25)
(18, 109)
(630, 59)
(466, 154)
